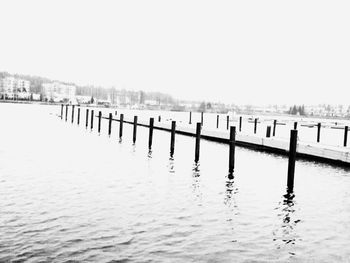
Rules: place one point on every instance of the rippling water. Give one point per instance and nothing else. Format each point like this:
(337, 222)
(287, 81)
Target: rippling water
(71, 195)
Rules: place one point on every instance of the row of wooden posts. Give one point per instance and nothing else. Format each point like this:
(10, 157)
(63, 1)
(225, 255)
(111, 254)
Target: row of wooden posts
(268, 128)
(232, 139)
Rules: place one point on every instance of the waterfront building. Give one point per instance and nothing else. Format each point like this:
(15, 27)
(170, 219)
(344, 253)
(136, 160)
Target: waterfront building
(12, 87)
(59, 92)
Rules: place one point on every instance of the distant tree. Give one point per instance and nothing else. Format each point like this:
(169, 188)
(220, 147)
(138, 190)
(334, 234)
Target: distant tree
(202, 106)
(208, 105)
(142, 97)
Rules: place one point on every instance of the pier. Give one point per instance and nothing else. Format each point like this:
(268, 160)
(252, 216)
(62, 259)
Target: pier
(306, 150)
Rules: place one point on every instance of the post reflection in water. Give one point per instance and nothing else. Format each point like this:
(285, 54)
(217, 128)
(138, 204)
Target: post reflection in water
(171, 165)
(149, 154)
(232, 208)
(196, 170)
(196, 187)
(285, 234)
(231, 191)
(230, 176)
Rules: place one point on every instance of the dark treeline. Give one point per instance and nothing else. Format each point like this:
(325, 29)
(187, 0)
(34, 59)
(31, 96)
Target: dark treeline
(300, 110)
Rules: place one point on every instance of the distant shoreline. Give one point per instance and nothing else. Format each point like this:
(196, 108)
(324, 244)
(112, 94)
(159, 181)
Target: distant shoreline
(114, 107)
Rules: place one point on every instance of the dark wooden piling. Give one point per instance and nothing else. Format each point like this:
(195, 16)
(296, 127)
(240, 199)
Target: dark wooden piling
(232, 143)
(202, 117)
(134, 131)
(99, 121)
(198, 138)
(150, 135)
(346, 128)
(318, 131)
(78, 116)
(227, 121)
(268, 131)
(66, 112)
(172, 138)
(87, 118)
(190, 121)
(295, 125)
(61, 111)
(274, 127)
(121, 120)
(291, 160)
(116, 113)
(217, 121)
(92, 120)
(110, 124)
(73, 113)
(159, 118)
(240, 123)
(255, 125)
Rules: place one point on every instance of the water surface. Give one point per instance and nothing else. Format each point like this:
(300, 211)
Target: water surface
(69, 194)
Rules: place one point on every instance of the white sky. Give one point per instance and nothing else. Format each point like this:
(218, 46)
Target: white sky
(232, 51)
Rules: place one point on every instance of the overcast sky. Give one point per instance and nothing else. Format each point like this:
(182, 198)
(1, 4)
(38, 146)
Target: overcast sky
(255, 52)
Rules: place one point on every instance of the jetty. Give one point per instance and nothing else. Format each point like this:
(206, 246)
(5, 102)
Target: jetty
(306, 150)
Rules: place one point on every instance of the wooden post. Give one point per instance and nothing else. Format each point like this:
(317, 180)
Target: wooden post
(73, 113)
(346, 135)
(274, 127)
(121, 120)
(217, 121)
(110, 124)
(202, 118)
(291, 160)
(190, 122)
(255, 125)
(116, 113)
(134, 132)
(87, 118)
(61, 111)
(268, 131)
(227, 121)
(150, 135)
(78, 116)
(99, 121)
(240, 123)
(172, 138)
(232, 143)
(295, 125)
(318, 131)
(92, 120)
(66, 111)
(159, 118)
(198, 138)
